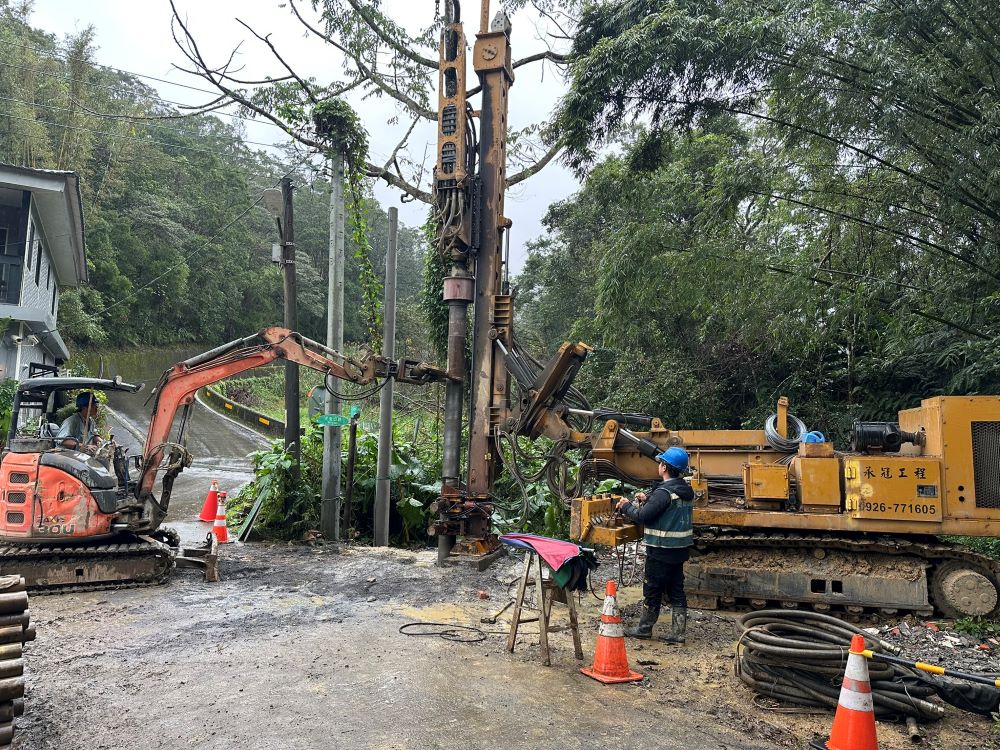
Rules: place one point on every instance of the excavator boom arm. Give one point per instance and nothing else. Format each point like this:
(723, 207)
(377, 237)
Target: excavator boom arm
(179, 384)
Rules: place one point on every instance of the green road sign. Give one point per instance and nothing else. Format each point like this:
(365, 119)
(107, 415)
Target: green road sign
(332, 420)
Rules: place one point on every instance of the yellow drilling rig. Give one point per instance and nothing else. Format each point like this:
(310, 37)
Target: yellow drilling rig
(777, 519)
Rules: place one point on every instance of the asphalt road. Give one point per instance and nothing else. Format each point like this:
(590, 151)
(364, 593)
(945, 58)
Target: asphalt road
(219, 445)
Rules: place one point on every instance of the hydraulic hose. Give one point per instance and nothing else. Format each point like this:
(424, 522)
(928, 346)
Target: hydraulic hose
(799, 657)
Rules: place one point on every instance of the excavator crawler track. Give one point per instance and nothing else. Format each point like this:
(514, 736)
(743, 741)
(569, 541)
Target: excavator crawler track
(853, 574)
(58, 569)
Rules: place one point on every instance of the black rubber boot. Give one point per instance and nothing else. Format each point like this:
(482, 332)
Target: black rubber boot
(678, 625)
(645, 627)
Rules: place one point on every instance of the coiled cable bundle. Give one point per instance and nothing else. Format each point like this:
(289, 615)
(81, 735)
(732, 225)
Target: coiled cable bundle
(799, 657)
(784, 444)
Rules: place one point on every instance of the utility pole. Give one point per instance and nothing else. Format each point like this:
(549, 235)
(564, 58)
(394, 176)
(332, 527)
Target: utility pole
(330, 506)
(385, 402)
(292, 432)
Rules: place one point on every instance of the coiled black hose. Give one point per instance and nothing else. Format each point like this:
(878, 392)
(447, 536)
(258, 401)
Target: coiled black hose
(800, 657)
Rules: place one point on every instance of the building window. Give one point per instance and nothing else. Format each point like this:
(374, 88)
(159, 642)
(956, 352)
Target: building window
(38, 263)
(6, 270)
(29, 244)
(55, 292)
(48, 273)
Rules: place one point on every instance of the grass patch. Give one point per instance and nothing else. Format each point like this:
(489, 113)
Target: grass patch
(980, 627)
(984, 545)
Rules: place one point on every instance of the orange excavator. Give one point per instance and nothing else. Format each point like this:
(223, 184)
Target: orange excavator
(73, 519)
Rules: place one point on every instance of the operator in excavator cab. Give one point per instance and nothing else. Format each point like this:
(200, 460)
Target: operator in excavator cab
(665, 515)
(79, 430)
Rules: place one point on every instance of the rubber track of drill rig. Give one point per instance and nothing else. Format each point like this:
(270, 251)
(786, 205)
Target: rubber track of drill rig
(58, 569)
(929, 550)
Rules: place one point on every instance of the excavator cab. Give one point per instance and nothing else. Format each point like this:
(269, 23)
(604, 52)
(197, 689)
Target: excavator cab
(51, 493)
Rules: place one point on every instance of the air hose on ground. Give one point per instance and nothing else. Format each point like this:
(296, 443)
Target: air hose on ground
(800, 657)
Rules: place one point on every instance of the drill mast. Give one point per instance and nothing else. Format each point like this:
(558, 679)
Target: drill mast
(470, 179)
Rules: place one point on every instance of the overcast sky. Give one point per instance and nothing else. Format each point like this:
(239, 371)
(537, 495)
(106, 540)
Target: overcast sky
(136, 36)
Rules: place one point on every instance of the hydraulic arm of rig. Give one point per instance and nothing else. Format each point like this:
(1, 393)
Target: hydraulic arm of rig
(778, 519)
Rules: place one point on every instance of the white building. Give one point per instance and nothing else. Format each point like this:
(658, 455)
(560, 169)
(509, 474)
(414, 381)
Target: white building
(41, 253)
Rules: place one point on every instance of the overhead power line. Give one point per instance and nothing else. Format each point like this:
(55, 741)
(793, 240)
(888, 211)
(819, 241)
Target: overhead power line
(192, 253)
(157, 98)
(66, 58)
(127, 137)
(134, 119)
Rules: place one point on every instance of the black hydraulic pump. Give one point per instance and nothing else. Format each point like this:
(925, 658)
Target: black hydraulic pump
(881, 437)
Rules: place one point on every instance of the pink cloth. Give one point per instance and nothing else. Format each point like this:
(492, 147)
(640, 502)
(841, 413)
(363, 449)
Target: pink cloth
(554, 551)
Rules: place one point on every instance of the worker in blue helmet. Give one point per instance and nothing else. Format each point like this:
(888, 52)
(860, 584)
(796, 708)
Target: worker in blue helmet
(665, 514)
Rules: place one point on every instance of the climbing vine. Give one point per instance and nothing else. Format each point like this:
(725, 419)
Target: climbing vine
(432, 302)
(339, 125)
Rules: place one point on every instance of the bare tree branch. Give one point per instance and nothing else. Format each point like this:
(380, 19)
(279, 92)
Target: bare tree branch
(373, 170)
(535, 168)
(404, 51)
(414, 106)
(402, 142)
(189, 48)
(342, 89)
(545, 14)
(263, 82)
(546, 55)
(267, 40)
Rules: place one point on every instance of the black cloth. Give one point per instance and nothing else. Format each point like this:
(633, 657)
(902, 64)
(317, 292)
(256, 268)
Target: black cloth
(664, 578)
(968, 696)
(579, 570)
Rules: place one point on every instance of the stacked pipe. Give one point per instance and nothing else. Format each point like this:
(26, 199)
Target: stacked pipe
(15, 631)
(799, 657)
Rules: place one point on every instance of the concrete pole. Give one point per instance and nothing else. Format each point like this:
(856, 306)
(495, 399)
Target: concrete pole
(293, 435)
(385, 402)
(330, 506)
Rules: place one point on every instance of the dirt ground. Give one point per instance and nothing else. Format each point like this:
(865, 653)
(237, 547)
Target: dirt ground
(299, 647)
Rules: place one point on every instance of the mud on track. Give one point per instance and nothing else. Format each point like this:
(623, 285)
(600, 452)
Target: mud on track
(298, 647)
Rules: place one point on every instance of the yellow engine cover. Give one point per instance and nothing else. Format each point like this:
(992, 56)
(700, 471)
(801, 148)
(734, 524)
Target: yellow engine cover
(765, 481)
(893, 487)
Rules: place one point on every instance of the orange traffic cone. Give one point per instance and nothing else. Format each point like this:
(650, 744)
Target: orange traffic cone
(208, 510)
(610, 661)
(854, 723)
(220, 529)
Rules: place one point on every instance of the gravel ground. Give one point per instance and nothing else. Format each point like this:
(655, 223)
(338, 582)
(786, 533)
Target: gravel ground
(937, 642)
(299, 647)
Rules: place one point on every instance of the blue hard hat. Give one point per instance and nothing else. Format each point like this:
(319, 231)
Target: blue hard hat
(676, 457)
(814, 437)
(84, 399)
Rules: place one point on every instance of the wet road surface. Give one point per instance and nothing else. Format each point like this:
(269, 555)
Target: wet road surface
(219, 445)
(300, 648)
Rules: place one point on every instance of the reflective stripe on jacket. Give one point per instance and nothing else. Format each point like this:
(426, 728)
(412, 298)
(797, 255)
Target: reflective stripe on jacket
(672, 528)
